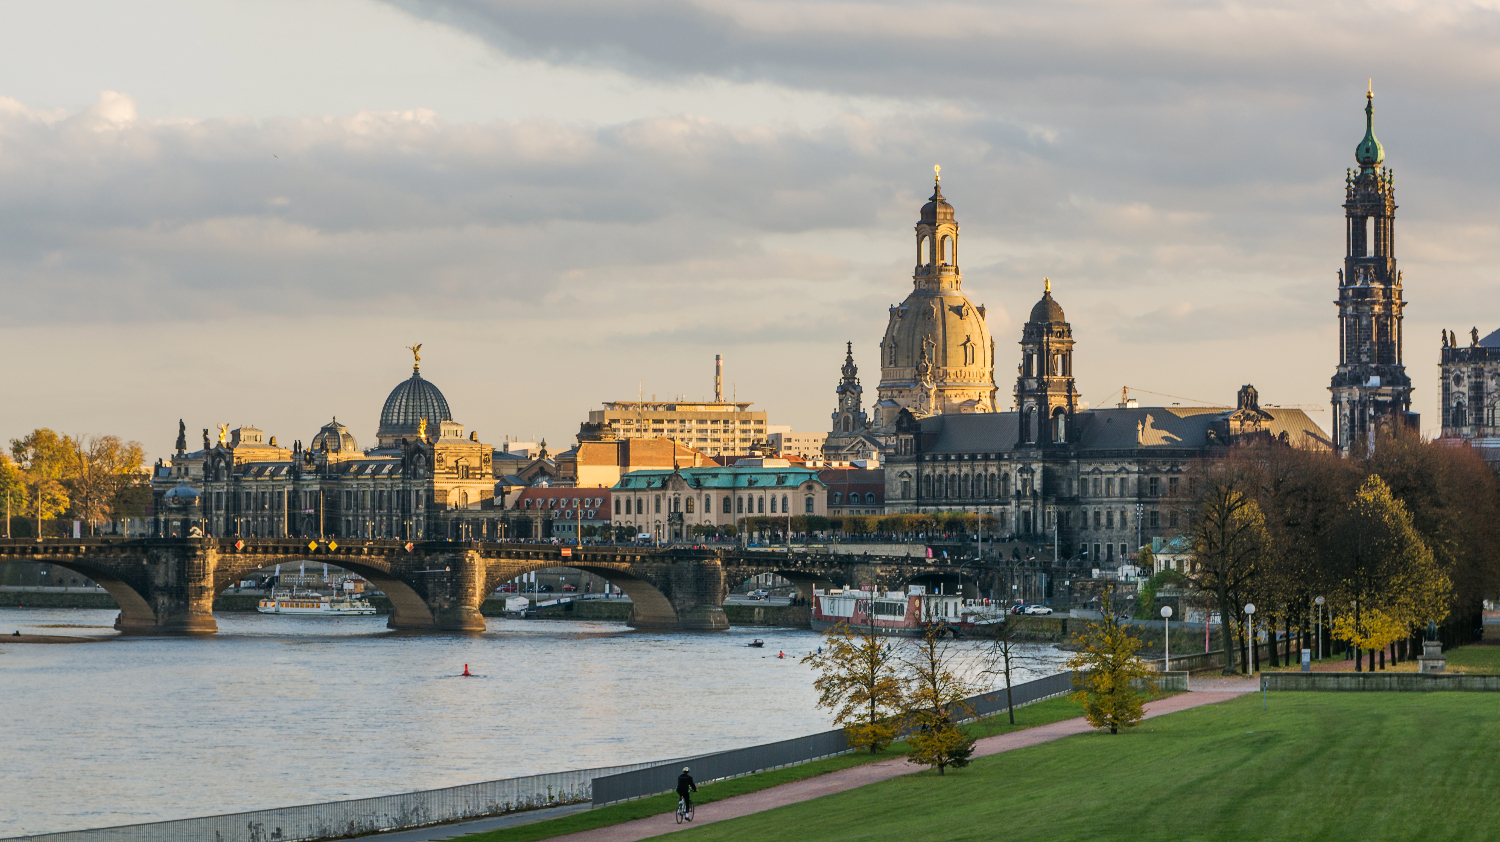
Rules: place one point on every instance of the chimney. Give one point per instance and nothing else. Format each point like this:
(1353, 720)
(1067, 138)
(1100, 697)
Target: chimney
(718, 378)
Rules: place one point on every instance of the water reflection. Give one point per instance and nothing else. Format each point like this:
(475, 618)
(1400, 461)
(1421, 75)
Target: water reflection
(288, 710)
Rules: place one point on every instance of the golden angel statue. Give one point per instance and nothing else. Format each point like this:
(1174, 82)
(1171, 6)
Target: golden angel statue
(416, 354)
(223, 434)
(422, 429)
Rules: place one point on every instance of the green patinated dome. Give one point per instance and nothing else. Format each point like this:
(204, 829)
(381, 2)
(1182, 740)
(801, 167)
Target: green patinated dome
(1369, 153)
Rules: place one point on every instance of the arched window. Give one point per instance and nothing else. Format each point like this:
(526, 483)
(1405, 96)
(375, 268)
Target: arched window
(928, 480)
(760, 505)
(617, 505)
(463, 499)
(1027, 415)
(658, 504)
(1060, 425)
(728, 504)
(773, 505)
(785, 509)
(848, 423)
(739, 505)
(1005, 485)
(690, 504)
(837, 498)
(924, 251)
(870, 498)
(808, 505)
(994, 486)
(1459, 416)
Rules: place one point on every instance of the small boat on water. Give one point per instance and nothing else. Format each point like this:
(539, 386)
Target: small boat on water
(902, 614)
(756, 643)
(287, 601)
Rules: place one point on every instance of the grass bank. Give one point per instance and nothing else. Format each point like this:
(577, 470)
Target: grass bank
(1040, 713)
(1315, 766)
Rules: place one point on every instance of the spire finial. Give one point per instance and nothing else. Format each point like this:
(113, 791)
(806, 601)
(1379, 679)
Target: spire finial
(1047, 285)
(937, 173)
(1370, 91)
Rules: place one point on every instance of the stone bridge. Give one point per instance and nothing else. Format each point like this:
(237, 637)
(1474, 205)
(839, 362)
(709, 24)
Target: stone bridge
(168, 585)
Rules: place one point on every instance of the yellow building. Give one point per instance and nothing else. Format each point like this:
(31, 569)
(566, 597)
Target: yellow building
(713, 427)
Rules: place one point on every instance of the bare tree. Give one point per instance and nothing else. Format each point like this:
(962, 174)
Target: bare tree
(1228, 536)
(1008, 653)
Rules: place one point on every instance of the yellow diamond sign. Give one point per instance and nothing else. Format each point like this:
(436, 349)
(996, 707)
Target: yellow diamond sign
(312, 546)
(333, 545)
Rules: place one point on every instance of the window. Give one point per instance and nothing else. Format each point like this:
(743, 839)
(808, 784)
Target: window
(728, 505)
(1172, 519)
(617, 506)
(690, 504)
(739, 505)
(1155, 519)
(870, 498)
(760, 505)
(1172, 485)
(1123, 553)
(837, 498)
(785, 509)
(1109, 487)
(658, 504)
(1155, 486)
(773, 505)
(1098, 519)
(906, 489)
(807, 505)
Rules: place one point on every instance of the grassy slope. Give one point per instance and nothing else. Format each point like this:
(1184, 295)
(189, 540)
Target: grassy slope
(1040, 713)
(1335, 766)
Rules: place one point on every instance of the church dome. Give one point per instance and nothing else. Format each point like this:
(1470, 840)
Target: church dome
(1047, 311)
(411, 401)
(181, 496)
(1369, 153)
(937, 208)
(336, 438)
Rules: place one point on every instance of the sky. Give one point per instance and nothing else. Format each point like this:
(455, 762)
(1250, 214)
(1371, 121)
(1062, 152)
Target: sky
(241, 212)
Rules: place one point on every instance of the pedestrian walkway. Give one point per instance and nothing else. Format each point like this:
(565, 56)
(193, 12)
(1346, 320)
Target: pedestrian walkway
(858, 776)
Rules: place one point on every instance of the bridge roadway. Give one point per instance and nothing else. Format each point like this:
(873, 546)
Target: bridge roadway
(167, 585)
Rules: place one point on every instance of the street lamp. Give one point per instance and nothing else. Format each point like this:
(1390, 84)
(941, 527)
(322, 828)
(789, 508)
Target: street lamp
(1166, 615)
(1249, 636)
(1319, 602)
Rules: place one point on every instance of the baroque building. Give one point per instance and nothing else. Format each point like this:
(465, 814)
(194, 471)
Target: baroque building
(1470, 391)
(1370, 386)
(424, 479)
(936, 356)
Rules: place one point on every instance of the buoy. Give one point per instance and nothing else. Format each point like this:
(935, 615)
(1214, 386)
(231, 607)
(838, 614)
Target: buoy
(466, 671)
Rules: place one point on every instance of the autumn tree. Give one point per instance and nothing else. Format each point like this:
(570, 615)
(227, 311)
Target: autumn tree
(1388, 580)
(858, 681)
(13, 488)
(43, 458)
(99, 471)
(1109, 677)
(1228, 537)
(935, 699)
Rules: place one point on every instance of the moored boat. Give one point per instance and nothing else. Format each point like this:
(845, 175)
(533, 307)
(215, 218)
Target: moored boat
(903, 614)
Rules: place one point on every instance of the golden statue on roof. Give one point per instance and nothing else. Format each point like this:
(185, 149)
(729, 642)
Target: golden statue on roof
(223, 434)
(937, 173)
(422, 427)
(416, 355)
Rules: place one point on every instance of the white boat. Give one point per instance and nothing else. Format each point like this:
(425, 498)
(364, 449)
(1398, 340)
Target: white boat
(310, 602)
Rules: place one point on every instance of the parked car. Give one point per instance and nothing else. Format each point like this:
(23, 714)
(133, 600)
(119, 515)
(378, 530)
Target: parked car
(1038, 609)
(509, 587)
(760, 594)
(1018, 609)
(569, 587)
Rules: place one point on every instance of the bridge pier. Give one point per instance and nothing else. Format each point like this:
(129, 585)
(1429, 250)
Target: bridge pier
(180, 596)
(685, 594)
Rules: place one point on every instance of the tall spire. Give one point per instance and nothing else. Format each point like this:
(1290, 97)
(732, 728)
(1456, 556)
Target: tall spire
(1369, 154)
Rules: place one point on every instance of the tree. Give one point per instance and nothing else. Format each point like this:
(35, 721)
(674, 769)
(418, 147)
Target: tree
(99, 469)
(43, 458)
(1109, 675)
(12, 488)
(1228, 536)
(1388, 579)
(1006, 654)
(857, 680)
(934, 699)
(1145, 604)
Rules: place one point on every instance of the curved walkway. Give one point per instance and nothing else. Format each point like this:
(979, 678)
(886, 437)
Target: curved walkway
(1213, 690)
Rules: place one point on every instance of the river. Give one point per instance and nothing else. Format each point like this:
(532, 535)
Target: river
(274, 711)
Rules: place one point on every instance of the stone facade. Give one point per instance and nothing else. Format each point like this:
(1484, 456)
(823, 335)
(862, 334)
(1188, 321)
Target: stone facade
(1470, 379)
(667, 504)
(713, 427)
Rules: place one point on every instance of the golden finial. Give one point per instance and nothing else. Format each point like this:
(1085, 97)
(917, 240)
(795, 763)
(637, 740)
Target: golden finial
(1047, 285)
(416, 355)
(937, 173)
(1370, 91)
(223, 434)
(422, 427)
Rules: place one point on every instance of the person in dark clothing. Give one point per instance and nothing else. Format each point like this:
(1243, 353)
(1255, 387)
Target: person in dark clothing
(685, 786)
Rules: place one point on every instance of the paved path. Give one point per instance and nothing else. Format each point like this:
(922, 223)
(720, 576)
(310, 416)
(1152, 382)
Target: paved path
(1205, 692)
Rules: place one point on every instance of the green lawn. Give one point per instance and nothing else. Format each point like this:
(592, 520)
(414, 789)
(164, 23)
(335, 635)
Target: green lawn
(1316, 766)
(1041, 713)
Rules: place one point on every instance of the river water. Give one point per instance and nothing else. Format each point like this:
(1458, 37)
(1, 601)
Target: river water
(275, 711)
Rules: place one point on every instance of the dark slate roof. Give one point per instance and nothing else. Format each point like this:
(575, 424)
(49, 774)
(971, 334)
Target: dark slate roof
(1112, 429)
(412, 400)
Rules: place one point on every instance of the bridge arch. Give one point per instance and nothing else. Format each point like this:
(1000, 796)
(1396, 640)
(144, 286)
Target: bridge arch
(137, 614)
(409, 607)
(650, 607)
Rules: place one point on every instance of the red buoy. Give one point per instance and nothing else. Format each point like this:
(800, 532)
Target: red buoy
(466, 671)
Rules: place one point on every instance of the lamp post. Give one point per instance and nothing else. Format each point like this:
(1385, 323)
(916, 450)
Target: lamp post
(1319, 601)
(1166, 615)
(1249, 636)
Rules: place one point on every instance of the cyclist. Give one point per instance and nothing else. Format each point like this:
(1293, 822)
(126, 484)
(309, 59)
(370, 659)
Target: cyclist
(685, 786)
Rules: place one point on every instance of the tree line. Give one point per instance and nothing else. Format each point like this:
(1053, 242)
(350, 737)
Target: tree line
(94, 479)
(1397, 538)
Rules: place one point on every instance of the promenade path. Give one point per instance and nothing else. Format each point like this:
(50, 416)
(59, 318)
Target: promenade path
(1206, 690)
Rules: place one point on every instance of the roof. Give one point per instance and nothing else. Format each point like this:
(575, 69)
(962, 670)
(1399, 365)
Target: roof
(733, 477)
(1174, 427)
(1047, 310)
(413, 400)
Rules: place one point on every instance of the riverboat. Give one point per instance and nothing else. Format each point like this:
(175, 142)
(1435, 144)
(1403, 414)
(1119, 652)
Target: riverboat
(902, 614)
(310, 602)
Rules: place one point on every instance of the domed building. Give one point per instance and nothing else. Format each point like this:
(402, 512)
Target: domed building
(413, 400)
(937, 356)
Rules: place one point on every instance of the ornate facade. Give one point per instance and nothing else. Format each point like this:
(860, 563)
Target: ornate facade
(1471, 390)
(422, 480)
(1370, 386)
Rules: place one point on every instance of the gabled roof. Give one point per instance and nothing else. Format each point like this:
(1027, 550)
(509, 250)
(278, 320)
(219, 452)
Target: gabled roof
(733, 477)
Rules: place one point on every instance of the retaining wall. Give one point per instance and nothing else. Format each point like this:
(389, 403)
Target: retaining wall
(1402, 682)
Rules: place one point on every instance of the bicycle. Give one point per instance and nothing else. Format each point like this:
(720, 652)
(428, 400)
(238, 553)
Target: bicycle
(684, 810)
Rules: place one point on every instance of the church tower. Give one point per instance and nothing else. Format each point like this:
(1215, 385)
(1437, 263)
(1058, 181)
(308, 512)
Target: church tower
(1046, 395)
(936, 356)
(849, 415)
(1370, 386)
